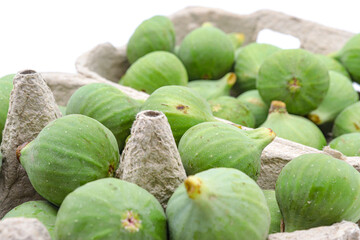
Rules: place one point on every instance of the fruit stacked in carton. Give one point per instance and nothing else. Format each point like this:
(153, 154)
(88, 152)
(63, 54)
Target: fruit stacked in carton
(185, 172)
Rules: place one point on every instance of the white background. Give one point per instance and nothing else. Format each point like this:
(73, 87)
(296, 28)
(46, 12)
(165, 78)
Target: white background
(47, 35)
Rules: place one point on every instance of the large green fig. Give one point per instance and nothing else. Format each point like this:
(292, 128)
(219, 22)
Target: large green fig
(108, 105)
(154, 34)
(182, 106)
(220, 203)
(6, 85)
(207, 53)
(349, 56)
(293, 127)
(347, 121)
(275, 225)
(348, 144)
(40, 209)
(154, 70)
(69, 152)
(248, 62)
(209, 89)
(230, 108)
(296, 77)
(340, 95)
(256, 105)
(317, 190)
(110, 209)
(216, 144)
(333, 65)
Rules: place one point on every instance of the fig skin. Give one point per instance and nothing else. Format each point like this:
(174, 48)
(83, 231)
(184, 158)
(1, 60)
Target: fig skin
(348, 120)
(69, 152)
(209, 145)
(207, 53)
(110, 208)
(182, 106)
(315, 190)
(340, 95)
(154, 70)
(349, 56)
(348, 144)
(6, 85)
(292, 127)
(276, 218)
(296, 77)
(247, 64)
(42, 210)
(256, 105)
(154, 34)
(220, 203)
(230, 108)
(210, 89)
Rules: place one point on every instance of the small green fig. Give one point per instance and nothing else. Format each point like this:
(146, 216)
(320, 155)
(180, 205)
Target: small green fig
(216, 144)
(248, 62)
(154, 70)
(296, 77)
(154, 34)
(209, 89)
(275, 225)
(207, 53)
(40, 209)
(230, 108)
(182, 106)
(256, 105)
(349, 56)
(317, 190)
(348, 144)
(340, 95)
(69, 152)
(110, 209)
(108, 105)
(348, 120)
(220, 203)
(293, 127)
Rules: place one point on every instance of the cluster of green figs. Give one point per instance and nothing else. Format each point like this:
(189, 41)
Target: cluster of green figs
(293, 94)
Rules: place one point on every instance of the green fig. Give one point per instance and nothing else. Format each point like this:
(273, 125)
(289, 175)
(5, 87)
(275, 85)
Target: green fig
(340, 95)
(40, 209)
(333, 65)
(296, 77)
(154, 70)
(220, 203)
(232, 109)
(182, 106)
(275, 225)
(348, 144)
(256, 105)
(315, 190)
(154, 34)
(349, 56)
(69, 152)
(207, 53)
(348, 120)
(108, 105)
(110, 209)
(6, 85)
(248, 62)
(62, 110)
(209, 89)
(293, 127)
(216, 144)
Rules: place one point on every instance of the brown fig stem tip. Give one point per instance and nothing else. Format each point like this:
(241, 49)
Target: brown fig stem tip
(18, 150)
(277, 106)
